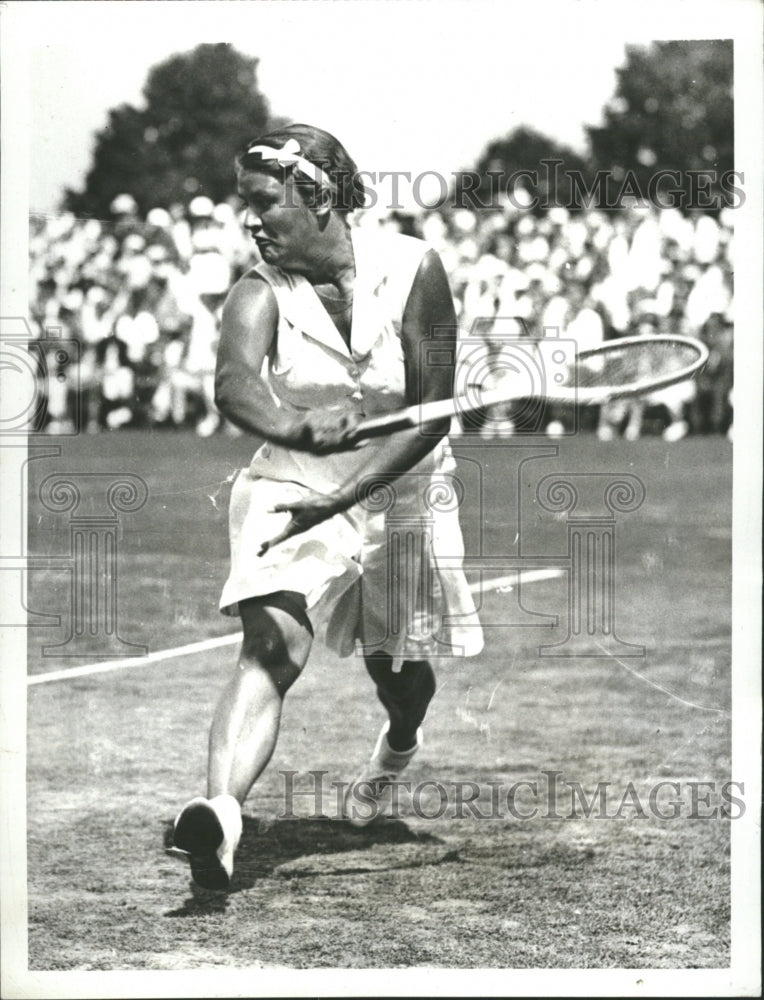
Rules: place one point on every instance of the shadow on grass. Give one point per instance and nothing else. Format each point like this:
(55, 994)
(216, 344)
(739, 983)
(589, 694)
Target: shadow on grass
(265, 847)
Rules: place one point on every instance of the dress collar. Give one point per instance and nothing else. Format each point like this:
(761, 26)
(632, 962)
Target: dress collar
(303, 308)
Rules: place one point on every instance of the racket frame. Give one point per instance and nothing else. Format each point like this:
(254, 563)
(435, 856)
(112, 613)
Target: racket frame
(439, 409)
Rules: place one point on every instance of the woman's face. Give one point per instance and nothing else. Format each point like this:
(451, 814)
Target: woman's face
(277, 218)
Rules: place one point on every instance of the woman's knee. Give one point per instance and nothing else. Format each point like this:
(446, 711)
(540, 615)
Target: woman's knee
(416, 678)
(423, 678)
(277, 637)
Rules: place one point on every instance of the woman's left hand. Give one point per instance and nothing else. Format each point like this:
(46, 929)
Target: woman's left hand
(306, 513)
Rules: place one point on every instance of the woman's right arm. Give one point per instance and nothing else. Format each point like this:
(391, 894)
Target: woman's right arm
(250, 318)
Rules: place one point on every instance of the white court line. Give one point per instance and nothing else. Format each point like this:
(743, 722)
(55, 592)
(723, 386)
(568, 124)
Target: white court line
(134, 661)
(528, 576)
(664, 690)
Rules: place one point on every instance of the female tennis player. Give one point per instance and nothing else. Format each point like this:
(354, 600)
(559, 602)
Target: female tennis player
(329, 328)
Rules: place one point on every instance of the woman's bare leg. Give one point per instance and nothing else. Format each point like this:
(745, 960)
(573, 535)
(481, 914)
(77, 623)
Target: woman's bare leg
(246, 721)
(277, 640)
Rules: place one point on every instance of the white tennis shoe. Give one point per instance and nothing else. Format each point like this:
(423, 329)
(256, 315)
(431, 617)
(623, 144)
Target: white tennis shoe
(207, 832)
(369, 793)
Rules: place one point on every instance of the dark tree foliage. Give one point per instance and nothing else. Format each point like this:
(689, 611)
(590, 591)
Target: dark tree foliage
(199, 107)
(525, 159)
(672, 110)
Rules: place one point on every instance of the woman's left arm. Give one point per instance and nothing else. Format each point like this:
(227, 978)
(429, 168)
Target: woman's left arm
(429, 313)
(430, 307)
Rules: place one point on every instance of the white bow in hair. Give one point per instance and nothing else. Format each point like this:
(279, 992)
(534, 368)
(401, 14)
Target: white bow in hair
(290, 155)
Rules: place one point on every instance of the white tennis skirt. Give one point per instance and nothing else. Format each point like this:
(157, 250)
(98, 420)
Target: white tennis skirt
(375, 579)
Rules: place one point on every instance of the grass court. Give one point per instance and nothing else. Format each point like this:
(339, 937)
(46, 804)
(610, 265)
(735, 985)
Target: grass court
(112, 756)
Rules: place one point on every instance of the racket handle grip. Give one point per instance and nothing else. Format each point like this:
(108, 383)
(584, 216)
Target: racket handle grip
(406, 419)
(423, 413)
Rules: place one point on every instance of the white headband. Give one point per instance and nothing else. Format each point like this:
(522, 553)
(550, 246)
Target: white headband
(290, 156)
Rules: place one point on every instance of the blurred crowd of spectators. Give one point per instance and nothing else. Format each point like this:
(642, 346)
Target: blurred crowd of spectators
(143, 299)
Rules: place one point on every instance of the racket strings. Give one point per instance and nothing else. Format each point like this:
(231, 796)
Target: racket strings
(632, 364)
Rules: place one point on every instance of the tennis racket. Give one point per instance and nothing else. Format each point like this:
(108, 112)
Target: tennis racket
(631, 366)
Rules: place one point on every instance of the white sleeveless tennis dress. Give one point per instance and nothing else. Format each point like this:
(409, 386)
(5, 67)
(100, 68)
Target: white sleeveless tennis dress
(386, 576)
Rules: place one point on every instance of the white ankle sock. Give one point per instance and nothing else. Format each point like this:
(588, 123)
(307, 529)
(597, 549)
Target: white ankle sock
(394, 760)
(229, 812)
